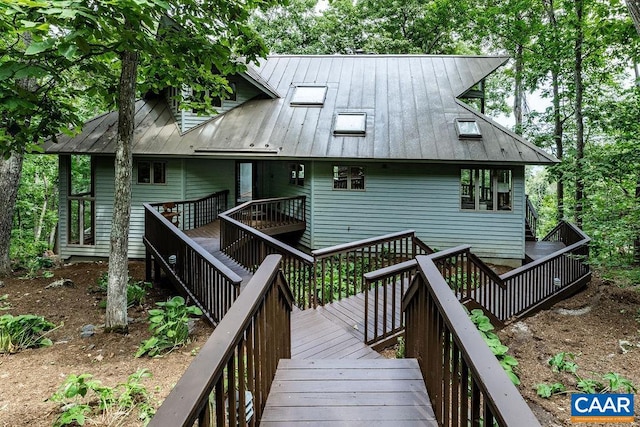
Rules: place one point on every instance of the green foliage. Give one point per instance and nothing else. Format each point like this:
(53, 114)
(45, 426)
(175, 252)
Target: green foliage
(81, 397)
(548, 390)
(508, 363)
(460, 280)
(401, 349)
(564, 362)
(169, 325)
(24, 331)
(136, 291)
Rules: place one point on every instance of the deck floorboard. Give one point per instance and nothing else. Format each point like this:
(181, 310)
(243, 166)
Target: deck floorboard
(383, 392)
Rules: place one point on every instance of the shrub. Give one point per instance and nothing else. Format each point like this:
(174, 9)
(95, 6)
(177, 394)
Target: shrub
(170, 326)
(24, 331)
(82, 397)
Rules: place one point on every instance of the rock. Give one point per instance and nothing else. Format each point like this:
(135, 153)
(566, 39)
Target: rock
(88, 331)
(1, 284)
(60, 283)
(624, 346)
(191, 325)
(521, 332)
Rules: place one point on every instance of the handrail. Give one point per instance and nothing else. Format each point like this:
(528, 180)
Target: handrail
(339, 268)
(531, 216)
(196, 213)
(249, 246)
(512, 294)
(346, 247)
(277, 212)
(243, 351)
(465, 382)
(199, 275)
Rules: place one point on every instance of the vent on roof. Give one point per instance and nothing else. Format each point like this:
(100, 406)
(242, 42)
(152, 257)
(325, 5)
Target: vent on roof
(350, 124)
(309, 96)
(468, 128)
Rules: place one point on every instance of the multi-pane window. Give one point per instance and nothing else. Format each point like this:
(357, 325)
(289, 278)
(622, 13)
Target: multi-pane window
(152, 172)
(348, 178)
(296, 174)
(486, 189)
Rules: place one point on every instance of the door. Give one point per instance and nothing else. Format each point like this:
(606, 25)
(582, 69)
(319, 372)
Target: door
(246, 181)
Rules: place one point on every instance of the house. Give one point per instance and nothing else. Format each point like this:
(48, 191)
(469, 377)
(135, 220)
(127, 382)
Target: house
(376, 143)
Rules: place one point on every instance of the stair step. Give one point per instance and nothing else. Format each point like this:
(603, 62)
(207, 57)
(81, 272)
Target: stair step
(387, 392)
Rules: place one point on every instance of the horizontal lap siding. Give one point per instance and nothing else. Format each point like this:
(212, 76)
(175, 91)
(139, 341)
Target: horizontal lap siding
(245, 91)
(420, 197)
(207, 176)
(277, 185)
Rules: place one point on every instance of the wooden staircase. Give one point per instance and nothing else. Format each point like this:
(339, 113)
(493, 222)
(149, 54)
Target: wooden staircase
(348, 392)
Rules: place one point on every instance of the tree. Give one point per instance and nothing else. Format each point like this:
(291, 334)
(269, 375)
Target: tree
(634, 11)
(33, 105)
(158, 43)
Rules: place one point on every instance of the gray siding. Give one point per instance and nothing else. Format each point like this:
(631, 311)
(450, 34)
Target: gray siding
(425, 198)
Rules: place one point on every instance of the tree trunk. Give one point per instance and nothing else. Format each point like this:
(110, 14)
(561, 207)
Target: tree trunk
(10, 172)
(518, 92)
(558, 131)
(578, 114)
(636, 241)
(116, 316)
(634, 11)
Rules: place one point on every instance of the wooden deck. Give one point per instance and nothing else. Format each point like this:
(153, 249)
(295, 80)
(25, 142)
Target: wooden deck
(339, 392)
(539, 249)
(208, 237)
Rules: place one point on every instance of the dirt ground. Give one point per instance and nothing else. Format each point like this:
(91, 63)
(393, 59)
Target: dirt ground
(29, 377)
(600, 326)
(591, 325)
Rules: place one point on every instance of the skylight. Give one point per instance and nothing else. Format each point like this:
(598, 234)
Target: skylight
(309, 95)
(350, 124)
(468, 128)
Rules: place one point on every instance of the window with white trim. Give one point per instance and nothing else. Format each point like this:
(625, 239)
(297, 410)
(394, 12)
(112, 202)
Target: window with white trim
(296, 174)
(152, 172)
(486, 189)
(348, 178)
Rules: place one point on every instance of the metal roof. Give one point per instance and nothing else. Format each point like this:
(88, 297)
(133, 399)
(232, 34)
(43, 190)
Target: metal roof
(410, 103)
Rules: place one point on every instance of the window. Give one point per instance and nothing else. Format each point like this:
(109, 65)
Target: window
(233, 96)
(308, 95)
(202, 96)
(152, 173)
(468, 128)
(348, 178)
(296, 174)
(486, 189)
(350, 124)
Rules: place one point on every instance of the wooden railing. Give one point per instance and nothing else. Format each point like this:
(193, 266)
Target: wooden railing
(249, 247)
(237, 364)
(465, 382)
(81, 228)
(340, 269)
(382, 315)
(196, 213)
(531, 216)
(511, 295)
(325, 276)
(197, 274)
(548, 279)
(277, 213)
